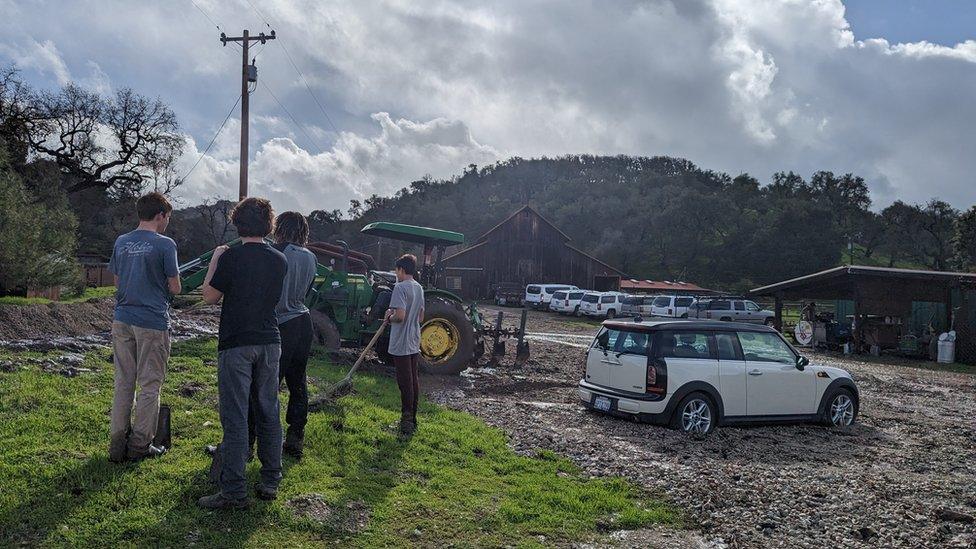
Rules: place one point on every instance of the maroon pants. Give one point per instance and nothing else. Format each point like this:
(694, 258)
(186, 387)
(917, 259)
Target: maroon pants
(408, 378)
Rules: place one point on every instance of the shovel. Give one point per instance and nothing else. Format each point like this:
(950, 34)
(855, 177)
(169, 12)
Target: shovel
(345, 384)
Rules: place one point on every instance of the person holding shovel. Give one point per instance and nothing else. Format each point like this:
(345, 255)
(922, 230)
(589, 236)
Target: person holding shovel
(249, 279)
(146, 274)
(405, 315)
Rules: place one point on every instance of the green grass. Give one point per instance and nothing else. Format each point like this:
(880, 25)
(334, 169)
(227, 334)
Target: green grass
(455, 481)
(87, 295)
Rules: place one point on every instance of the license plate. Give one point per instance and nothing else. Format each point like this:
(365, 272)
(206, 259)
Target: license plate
(602, 404)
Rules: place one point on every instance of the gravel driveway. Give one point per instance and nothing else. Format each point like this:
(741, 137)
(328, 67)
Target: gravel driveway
(903, 476)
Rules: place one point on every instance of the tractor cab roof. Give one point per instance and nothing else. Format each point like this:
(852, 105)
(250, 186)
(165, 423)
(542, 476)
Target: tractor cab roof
(412, 233)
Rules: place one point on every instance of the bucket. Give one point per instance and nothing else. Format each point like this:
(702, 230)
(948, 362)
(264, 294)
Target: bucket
(947, 351)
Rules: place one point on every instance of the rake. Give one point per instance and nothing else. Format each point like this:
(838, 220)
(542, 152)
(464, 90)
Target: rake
(344, 385)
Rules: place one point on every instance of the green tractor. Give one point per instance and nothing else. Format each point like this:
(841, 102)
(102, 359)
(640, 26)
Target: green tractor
(349, 297)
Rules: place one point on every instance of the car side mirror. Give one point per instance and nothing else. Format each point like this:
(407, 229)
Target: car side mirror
(802, 362)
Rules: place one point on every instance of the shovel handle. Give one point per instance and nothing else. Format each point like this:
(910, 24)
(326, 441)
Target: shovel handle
(372, 343)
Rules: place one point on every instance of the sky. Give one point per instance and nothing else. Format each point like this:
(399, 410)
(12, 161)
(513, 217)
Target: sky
(363, 97)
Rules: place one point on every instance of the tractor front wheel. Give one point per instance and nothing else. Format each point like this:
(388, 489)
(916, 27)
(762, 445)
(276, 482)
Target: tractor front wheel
(447, 339)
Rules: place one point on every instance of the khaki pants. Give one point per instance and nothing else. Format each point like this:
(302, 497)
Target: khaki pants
(140, 360)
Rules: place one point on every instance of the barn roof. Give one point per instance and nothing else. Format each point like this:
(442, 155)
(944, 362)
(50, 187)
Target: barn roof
(588, 256)
(518, 211)
(661, 285)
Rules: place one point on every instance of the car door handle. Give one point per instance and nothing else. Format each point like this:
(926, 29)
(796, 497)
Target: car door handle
(755, 372)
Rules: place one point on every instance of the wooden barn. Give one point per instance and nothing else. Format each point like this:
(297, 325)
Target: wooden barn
(523, 249)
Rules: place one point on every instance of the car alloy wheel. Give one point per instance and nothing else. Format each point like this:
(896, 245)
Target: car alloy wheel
(842, 411)
(696, 416)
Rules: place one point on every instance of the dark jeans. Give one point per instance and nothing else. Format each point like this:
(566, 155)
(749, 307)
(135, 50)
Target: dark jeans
(247, 379)
(408, 378)
(296, 343)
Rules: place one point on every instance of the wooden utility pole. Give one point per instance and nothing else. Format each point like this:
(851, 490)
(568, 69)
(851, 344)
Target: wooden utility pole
(249, 73)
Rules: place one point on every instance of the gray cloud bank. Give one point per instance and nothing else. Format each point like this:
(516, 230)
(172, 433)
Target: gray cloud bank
(426, 88)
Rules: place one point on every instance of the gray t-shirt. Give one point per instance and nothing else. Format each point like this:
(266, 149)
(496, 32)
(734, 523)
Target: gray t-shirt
(301, 273)
(143, 260)
(405, 336)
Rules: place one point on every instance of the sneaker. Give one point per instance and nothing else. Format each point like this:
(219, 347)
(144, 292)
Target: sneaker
(265, 493)
(218, 501)
(151, 452)
(294, 444)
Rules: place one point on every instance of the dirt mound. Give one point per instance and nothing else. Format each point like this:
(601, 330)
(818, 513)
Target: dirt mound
(55, 319)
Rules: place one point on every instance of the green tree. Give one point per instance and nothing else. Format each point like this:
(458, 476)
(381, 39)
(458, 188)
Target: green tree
(964, 240)
(37, 235)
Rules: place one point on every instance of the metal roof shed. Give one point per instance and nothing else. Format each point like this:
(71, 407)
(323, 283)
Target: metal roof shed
(878, 291)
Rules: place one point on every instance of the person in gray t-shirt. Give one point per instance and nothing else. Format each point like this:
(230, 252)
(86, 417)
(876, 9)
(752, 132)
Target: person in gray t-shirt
(406, 313)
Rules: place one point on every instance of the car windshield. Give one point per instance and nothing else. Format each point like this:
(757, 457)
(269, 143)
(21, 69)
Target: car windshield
(661, 301)
(533, 289)
(559, 295)
(591, 298)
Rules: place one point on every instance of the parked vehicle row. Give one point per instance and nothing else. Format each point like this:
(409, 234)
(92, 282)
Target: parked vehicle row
(568, 299)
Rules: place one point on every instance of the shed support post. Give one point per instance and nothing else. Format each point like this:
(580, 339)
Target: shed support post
(948, 302)
(778, 310)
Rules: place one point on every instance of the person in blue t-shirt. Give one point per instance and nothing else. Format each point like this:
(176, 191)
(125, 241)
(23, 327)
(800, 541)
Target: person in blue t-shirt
(146, 274)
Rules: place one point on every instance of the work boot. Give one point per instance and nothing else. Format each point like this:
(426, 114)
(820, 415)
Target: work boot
(218, 501)
(407, 427)
(265, 493)
(151, 452)
(294, 443)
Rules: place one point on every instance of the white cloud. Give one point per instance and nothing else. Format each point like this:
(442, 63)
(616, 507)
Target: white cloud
(355, 167)
(733, 85)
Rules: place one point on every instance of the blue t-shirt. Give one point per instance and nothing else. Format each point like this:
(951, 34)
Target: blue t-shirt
(143, 260)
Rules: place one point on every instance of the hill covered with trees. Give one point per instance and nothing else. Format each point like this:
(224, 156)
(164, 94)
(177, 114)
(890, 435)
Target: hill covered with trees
(666, 218)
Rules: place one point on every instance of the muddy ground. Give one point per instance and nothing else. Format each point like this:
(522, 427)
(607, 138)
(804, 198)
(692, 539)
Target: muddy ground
(80, 326)
(903, 476)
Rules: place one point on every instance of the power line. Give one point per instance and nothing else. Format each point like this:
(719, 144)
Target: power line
(309, 88)
(293, 119)
(205, 151)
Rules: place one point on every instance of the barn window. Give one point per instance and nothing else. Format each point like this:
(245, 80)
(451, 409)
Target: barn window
(452, 282)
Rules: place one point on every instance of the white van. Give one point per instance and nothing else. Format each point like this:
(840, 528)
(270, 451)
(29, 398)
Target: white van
(538, 296)
(567, 302)
(602, 304)
(672, 306)
(695, 375)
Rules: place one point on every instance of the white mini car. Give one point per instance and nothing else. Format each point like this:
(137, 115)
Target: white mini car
(695, 375)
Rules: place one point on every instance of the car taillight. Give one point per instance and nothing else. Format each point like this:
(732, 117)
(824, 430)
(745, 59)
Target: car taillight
(670, 312)
(657, 377)
(599, 306)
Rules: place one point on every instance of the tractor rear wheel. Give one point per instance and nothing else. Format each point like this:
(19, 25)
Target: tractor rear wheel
(447, 341)
(324, 331)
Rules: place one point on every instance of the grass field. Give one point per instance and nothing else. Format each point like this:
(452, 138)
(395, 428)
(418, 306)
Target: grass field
(88, 294)
(455, 482)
